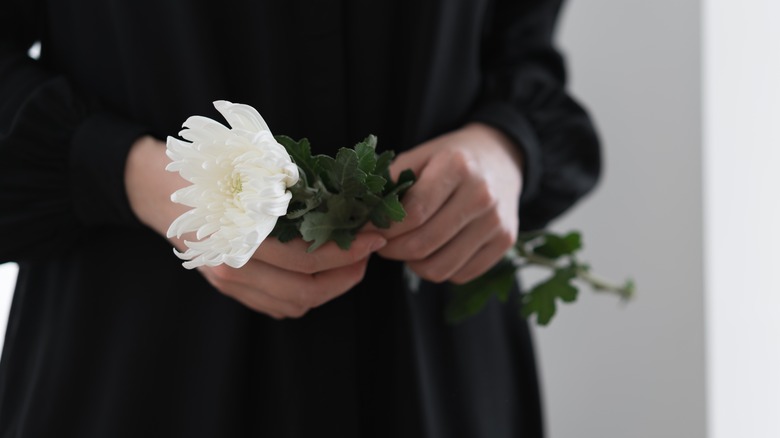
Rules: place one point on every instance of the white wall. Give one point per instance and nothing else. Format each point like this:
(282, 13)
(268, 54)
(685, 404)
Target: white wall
(742, 188)
(638, 370)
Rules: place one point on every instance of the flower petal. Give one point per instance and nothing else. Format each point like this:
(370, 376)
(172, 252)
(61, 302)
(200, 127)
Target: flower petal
(242, 117)
(203, 129)
(239, 177)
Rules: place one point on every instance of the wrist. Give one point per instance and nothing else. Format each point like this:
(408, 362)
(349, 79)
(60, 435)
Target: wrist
(149, 186)
(498, 138)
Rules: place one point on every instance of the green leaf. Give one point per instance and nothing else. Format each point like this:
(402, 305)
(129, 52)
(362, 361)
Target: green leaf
(345, 175)
(343, 238)
(370, 200)
(383, 161)
(366, 153)
(390, 209)
(317, 228)
(541, 299)
(405, 180)
(336, 196)
(391, 206)
(466, 303)
(300, 151)
(347, 212)
(555, 246)
(285, 230)
(327, 165)
(340, 222)
(375, 183)
(470, 298)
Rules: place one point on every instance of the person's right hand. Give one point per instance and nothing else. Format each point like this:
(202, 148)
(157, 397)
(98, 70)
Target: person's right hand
(281, 280)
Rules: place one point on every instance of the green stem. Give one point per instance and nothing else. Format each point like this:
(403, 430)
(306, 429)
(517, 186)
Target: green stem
(319, 187)
(312, 196)
(525, 258)
(625, 291)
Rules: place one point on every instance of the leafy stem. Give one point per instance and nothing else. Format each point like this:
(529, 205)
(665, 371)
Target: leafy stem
(555, 253)
(336, 196)
(526, 258)
(625, 291)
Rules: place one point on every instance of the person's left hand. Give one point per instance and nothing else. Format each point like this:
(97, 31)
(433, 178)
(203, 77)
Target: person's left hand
(462, 211)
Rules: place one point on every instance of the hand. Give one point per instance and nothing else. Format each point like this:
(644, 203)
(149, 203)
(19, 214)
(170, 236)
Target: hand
(462, 211)
(282, 279)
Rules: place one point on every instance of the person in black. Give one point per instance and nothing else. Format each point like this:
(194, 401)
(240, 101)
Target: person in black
(109, 336)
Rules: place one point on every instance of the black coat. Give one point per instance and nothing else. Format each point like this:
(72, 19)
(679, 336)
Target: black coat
(110, 336)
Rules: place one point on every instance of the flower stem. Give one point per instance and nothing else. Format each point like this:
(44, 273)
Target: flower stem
(524, 258)
(625, 291)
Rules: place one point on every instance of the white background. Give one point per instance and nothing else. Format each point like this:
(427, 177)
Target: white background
(742, 215)
(686, 95)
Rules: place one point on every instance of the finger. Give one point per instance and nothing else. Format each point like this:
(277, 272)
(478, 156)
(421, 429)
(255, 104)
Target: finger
(312, 290)
(336, 282)
(236, 283)
(483, 260)
(448, 260)
(469, 203)
(436, 182)
(293, 255)
(303, 290)
(264, 303)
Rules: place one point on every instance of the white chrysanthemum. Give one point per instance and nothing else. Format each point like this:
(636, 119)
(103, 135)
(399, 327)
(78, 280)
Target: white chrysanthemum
(239, 177)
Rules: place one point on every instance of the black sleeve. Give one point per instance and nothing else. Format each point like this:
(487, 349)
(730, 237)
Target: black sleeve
(62, 156)
(524, 95)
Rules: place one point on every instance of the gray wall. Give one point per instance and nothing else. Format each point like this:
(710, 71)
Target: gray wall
(637, 370)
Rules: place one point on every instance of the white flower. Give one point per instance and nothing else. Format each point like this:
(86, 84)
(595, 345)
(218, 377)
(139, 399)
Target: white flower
(239, 177)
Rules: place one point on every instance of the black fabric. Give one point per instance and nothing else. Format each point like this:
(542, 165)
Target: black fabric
(108, 334)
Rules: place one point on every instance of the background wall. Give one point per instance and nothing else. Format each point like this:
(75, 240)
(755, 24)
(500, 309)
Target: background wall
(637, 370)
(688, 98)
(742, 151)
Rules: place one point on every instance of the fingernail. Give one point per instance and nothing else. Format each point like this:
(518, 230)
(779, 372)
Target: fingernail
(378, 244)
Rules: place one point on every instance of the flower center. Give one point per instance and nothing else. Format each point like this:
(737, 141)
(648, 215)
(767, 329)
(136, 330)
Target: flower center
(235, 185)
(231, 184)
